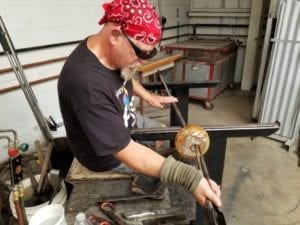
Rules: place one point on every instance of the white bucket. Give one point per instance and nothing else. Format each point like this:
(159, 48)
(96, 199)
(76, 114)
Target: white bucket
(53, 214)
(59, 198)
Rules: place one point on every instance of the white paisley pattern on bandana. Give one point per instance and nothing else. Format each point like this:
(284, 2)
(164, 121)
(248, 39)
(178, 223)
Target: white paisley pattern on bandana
(137, 18)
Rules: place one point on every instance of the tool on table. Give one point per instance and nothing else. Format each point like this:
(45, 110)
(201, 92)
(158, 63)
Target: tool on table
(193, 141)
(109, 210)
(153, 214)
(164, 220)
(128, 198)
(97, 220)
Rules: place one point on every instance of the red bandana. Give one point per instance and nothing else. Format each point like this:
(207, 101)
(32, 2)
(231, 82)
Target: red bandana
(138, 19)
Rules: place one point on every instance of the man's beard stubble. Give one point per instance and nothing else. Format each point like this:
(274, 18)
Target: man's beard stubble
(129, 72)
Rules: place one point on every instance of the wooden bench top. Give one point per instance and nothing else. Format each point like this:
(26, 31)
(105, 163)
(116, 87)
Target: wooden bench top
(78, 172)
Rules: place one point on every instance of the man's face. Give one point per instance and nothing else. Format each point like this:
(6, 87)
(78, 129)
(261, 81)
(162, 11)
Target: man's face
(140, 53)
(143, 52)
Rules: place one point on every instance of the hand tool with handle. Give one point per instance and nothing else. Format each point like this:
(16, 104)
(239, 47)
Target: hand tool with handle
(109, 210)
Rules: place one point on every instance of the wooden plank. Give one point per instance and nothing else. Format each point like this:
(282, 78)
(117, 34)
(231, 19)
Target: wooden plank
(160, 62)
(15, 87)
(79, 173)
(35, 64)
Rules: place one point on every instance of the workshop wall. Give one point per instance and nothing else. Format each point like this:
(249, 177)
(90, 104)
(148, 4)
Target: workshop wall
(40, 31)
(36, 23)
(221, 19)
(176, 13)
(48, 30)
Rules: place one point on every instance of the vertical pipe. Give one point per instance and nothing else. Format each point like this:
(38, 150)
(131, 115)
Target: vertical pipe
(21, 200)
(17, 206)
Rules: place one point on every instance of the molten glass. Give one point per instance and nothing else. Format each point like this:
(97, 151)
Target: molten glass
(189, 138)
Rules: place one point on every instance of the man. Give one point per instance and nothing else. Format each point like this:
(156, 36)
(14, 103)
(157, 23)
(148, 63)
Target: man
(95, 93)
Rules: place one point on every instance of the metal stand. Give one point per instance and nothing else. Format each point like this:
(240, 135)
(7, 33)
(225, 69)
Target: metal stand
(180, 90)
(9, 50)
(215, 156)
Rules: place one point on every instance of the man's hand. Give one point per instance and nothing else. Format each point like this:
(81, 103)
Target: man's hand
(158, 101)
(205, 191)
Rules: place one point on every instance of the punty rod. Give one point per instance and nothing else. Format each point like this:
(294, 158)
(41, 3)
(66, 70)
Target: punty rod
(178, 113)
(214, 131)
(213, 215)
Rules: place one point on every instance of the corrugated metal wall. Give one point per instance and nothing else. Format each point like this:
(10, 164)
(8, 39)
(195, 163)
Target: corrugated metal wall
(281, 98)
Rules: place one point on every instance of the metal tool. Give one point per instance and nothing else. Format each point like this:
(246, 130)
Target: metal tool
(195, 137)
(21, 200)
(150, 214)
(178, 113)
(55, 179)
(164, 220)
(109, 210)
(214, 215)
(97, 220)
(45, 167)
(128, 198)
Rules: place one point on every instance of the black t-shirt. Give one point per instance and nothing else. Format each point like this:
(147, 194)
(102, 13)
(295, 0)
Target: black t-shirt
(96, 106)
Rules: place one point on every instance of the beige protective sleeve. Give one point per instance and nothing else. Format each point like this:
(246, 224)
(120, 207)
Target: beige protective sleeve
(173, 171)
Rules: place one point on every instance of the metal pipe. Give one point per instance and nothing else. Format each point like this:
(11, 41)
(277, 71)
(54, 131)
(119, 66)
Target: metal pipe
(21, 200)
(10, 51)
(178, 113)
(8, 140)
(10, 145)
(44, 168)
(17, 206)
(16, 140)
(215, 217)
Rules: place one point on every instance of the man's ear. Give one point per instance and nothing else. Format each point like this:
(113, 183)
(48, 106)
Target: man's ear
(115, 37)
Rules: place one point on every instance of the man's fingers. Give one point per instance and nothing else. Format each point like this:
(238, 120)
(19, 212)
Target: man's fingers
(214, 198)
(215, 187)
(208, 190)
(169, 100)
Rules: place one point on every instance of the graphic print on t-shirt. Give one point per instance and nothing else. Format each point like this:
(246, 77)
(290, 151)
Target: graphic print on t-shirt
(129, 116)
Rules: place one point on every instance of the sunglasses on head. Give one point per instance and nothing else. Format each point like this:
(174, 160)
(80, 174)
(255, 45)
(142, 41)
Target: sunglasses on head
(140, 53)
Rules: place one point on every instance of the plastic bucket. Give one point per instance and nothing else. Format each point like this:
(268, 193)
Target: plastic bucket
(53, 214)
(60, 198)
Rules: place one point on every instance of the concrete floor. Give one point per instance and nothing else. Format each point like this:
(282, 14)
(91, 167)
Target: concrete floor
(261, 184)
